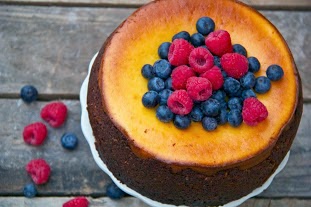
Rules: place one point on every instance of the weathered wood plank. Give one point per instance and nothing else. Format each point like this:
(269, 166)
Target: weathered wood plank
(50, 47)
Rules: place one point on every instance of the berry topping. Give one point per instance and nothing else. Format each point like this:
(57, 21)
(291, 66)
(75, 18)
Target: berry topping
(182, 35)
(29, 93)
(180, 76)
(205, 25)
(201, 60)
(219, 42)
(39, 170)
(237, 48)
(210, 107)
(197, 39)
(164, 96)
(35, 133)
(156, 84)
(180, 102)
(248, 93)
(235, 103)
(274, 72)
(248, 81)
(234, 64)
(253, 111)
(30, 190)
(163, 50)
(164, 114)
(262, 85)
(168, 84)
(209, 123)
(199, 89)
(162, 69)
(148, 71)
(150, 99)
(182, 122)
(235, 118)
(179, 52)
(69, 141)
(54, 113)
(114, 192)
(214, 75)
(253, 64)
(222, 118)
(196, 114)
(231, 86)
(77, 202)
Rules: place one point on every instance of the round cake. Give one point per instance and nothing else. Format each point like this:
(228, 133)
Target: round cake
(193, 167)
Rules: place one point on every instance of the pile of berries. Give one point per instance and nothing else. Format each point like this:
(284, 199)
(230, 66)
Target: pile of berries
(204, 78)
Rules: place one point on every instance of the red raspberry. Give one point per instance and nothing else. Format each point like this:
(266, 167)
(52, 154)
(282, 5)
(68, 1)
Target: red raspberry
(234, 64)
(180, 76)
(179, 102)
(179, 51)
(253, 111)
(201, 60)
(214, 75)
(77, 202)
(54, 113)
(35, 133)
(219, 42)
(39, 170)
(199, 89)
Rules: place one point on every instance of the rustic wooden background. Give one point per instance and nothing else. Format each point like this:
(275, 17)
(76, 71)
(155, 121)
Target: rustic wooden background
(49, 43)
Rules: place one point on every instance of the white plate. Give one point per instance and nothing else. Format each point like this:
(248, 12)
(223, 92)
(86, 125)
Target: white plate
(88, 133)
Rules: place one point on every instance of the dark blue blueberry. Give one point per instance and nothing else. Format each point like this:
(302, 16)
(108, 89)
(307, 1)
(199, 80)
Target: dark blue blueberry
(197, 39)
(222, 118)
(253, 64)
(204, 46)
(168, 84)
(210, 107)
(217, 61)
(29, 93)
(69, 141)
(182, 35)
(235, 118)
(237, 94)
(237, 48)
(224, 74)
(114, 192)
(231, 86)
(162, 69)
(219, 95)
(248, 93)
(148, 71)
(163, 50)
(209, 123)
(275, 72)
(150, 99)
(164, 94)
(248, 80)
(196, 114)
(262, 85)
(182, 122)
(156, 84)
(205, 25)
(235, 103)
(30, 190)
(223, 104)
(164, 114)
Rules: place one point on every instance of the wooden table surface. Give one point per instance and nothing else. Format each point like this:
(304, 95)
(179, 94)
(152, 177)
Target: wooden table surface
(49, 43)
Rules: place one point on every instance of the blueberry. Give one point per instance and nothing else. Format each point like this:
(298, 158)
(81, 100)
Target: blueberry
(223, 104)
(275, 72)
(197, 39)
(210, 107)
(262, 85)
(163, 50)
(231, 86)
(29, 93)
(148, 71)
(237, 48)
(235, 103)
(114, 192)
(30, 190)
(196, 114)
(209, 123)
(235, 118)
(182, 122)
(168, 84)
(164, 94)
(248, 93)
(224, 74)
(156, 84)
(219, 95)
(248, 80)
(164, 114)
(253, 64)
(150, 99)
(222, 118)
(205, 25)
(69, 141)
(182, 35)
(162, 69)
(217, 61)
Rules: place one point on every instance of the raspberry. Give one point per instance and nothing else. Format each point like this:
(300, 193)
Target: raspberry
(219, 42)
(39, 170)
(214, 75)
(54, 113)
(234, 64)
(179, 52)
(199, 89)
(35, 133)
(253, 111)
(180, 102)
(180, 76)
(77, 202)
(201, 60)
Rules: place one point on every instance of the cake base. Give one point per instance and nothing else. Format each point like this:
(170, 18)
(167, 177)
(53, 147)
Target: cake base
(88, 133)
